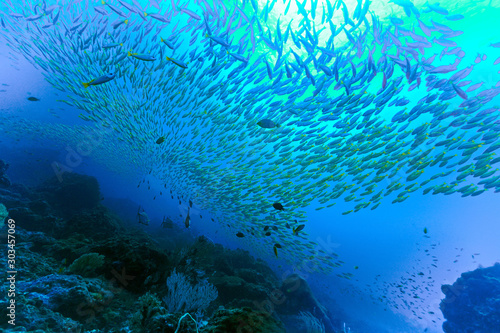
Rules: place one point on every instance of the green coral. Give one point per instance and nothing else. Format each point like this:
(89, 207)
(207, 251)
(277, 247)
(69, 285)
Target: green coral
(150, 315)
(87, 264)
(3, 214)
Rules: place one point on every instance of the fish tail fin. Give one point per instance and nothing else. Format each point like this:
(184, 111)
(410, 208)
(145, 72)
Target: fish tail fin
(278, 125)
(129, 54)
(103, 2)
(145, 14)
(121, 44)
(161, 39)
(168, 58)
(86, 84)
(126, 22)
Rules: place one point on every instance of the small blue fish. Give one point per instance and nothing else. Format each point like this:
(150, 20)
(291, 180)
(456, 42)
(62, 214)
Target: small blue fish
(238, 57)
(218, 40)
(269, 71)
(267, 123)
(143, 57)
(177, 62)
(100, 80)
(169, 44)
(455, 17)
(109, 46)
(437, 8)
(33, 17)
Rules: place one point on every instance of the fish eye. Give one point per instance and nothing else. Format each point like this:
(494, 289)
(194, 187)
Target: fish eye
(110, 74)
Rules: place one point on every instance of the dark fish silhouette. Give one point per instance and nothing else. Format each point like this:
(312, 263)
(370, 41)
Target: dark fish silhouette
(278, 206)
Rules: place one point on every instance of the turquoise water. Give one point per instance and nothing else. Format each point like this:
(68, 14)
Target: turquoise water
(333, 132)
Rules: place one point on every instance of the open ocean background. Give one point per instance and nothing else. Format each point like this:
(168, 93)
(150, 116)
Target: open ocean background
(381, 248)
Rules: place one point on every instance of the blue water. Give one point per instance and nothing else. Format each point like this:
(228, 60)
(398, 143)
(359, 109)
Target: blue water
(380, 249)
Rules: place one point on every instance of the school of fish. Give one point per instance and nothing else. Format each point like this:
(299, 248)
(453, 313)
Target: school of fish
(255, 113)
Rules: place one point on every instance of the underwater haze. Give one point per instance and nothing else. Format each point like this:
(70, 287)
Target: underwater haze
(355, 143)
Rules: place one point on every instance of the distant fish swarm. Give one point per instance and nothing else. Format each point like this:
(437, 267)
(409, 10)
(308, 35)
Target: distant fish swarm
(243, 108)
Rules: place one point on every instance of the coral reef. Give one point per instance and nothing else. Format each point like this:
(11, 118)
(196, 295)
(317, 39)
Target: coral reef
(243, 320)
(3, 214)
(35, 222)
(310, 323)
(297, 297)
(69, 295)
(75, 193)
(151, 316)
(4, 180)
(96, 223)
(182, 296)
(10, 198)
(472, 303)
(84, 270)
(87, 264)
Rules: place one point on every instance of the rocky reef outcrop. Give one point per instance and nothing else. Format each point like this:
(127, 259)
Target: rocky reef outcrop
(297, 297)
(4, 180)
(83, 269)
(243, 320)
(472, 303)
(73, 194)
